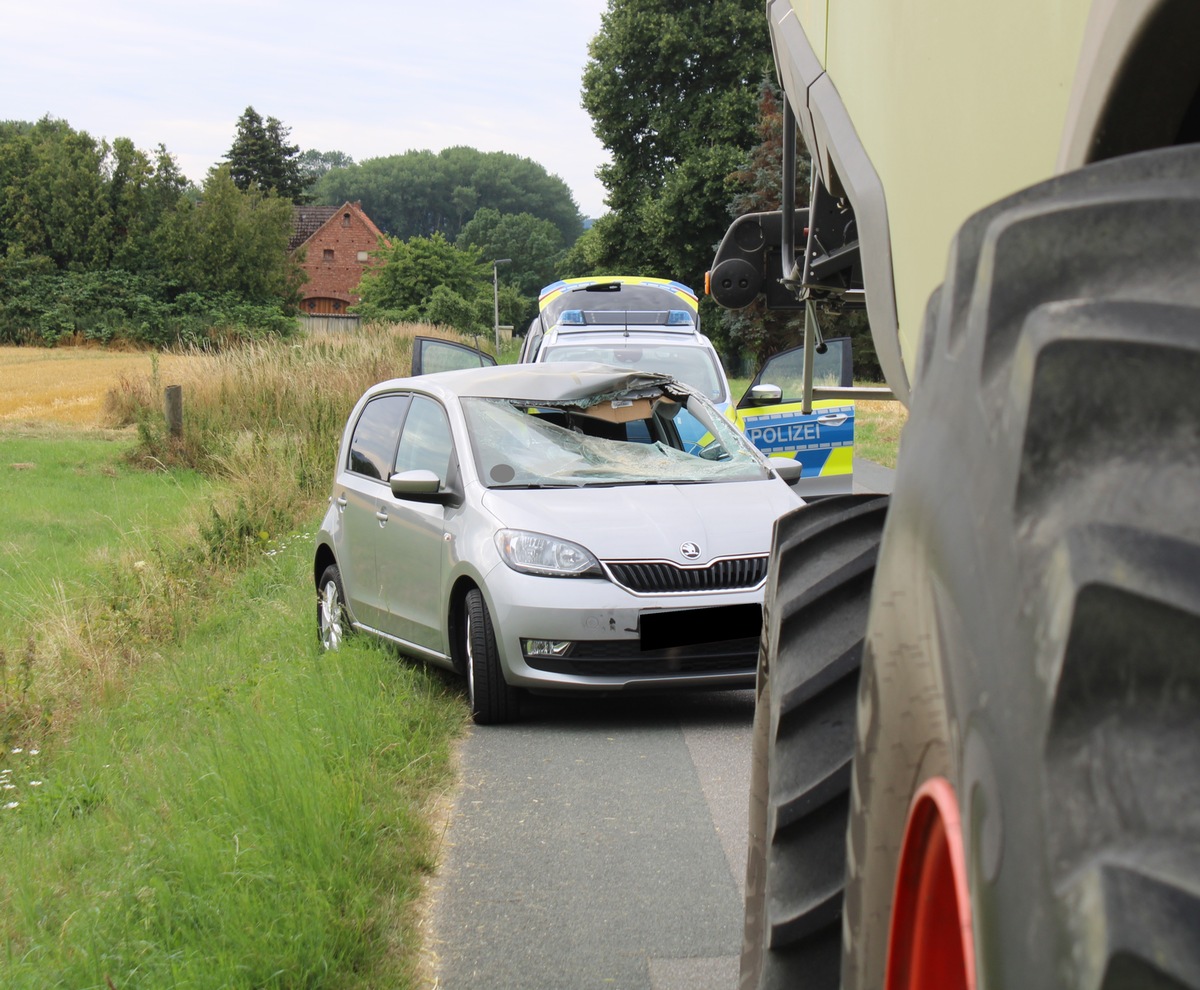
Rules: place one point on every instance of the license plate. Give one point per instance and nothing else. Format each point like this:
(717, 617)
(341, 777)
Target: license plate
(661, 630)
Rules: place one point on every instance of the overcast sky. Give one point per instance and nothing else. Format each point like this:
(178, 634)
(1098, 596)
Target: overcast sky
(368, 79)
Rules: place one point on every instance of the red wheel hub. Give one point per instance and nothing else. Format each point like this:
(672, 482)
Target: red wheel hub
(930, 945)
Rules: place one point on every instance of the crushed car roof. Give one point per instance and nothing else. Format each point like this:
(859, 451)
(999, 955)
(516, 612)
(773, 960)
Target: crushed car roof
(569, 382)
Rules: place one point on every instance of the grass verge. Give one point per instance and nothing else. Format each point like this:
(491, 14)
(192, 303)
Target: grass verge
(248, 812)
(191, 794)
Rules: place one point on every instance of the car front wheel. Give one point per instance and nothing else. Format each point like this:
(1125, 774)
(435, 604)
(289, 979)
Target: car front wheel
(493, 702)
(333, 623)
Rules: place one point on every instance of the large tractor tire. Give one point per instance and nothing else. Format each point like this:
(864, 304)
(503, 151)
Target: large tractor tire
(815, 618)
(1025, 806)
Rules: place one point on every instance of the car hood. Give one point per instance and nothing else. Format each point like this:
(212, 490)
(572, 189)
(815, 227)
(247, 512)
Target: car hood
(651, 522)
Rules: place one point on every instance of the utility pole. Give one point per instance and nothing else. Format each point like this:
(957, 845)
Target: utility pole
(496, 300)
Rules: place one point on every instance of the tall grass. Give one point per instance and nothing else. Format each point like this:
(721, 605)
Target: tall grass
(266, 416)
(250, 813)
(86, 539)
(878, 425)
(190, 793)
(262, 423)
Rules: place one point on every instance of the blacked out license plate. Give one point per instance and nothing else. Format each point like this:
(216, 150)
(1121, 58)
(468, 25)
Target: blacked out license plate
(663, 629)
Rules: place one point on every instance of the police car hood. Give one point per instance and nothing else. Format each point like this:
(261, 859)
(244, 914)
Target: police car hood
(652, 522)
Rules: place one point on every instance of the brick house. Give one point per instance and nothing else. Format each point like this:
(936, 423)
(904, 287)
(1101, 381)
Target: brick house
(337, 242)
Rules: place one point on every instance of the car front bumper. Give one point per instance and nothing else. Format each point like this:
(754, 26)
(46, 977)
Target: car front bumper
(620, 640)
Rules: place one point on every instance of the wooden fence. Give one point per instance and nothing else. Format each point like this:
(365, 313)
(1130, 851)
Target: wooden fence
(328, 323)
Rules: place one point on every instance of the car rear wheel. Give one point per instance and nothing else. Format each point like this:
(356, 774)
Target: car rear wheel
(1030, 696)
(333, 622)
(492, 701)
(816, 605)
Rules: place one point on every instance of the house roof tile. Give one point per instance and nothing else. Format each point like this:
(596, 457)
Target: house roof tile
(307, 220)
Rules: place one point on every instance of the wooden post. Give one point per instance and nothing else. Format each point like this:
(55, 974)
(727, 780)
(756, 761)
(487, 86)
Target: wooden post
(173, 397)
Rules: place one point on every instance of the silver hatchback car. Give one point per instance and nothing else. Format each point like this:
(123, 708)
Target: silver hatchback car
(543, 527)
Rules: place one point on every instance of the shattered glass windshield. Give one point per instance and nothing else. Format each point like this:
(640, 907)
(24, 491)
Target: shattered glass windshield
(622, 441)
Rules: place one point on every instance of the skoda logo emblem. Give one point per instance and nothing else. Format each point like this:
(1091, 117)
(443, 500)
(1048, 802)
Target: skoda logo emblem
(690, 550)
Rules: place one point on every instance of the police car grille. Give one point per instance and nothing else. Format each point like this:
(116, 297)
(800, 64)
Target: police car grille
(664, 578)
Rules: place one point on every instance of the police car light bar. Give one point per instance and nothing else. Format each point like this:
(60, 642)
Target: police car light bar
(679, 319)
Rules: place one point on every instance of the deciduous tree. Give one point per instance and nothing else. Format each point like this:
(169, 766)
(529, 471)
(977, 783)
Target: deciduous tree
(420, 193)
(54, 202)
(231, 241)
(671, 87)
(403, 287)
(314, 164)
(533, 246)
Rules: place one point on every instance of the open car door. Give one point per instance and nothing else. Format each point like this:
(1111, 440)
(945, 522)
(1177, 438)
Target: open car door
(433, 354)
(772, 416)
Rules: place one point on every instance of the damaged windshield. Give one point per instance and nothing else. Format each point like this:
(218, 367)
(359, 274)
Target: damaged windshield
(614, 442)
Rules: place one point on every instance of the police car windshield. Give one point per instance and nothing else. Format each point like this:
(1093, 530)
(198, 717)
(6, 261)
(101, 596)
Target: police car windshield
(694, 366)
(522, 446)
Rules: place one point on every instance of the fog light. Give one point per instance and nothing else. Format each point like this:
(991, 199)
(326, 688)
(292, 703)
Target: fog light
(545, 647)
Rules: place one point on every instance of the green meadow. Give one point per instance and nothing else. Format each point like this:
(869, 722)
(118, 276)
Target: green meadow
(191, 793)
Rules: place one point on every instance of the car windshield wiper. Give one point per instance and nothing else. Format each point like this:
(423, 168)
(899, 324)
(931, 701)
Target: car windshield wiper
(533, 485)
(620, 484)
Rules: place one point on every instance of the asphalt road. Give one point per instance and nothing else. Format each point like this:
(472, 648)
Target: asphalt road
(600, 843)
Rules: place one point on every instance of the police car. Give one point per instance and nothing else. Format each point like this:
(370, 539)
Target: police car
(653, 324)
(772, 416)
(631, 322)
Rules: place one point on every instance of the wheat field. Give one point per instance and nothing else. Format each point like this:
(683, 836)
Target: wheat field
(68, 385)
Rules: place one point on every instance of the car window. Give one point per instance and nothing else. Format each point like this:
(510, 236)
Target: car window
(693, 366)
(426, 443)
(787, 369)
(373, 444)
(533, 340)
(433, 354)
(638, 441)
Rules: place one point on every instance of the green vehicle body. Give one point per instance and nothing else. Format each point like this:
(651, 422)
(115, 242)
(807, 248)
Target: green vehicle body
(921, 114)
(978, 699)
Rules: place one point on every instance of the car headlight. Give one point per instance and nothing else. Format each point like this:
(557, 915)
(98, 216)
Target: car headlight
(536, 553)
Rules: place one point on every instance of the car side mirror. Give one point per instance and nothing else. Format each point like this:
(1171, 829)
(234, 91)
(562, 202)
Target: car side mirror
(787, 468)
(421, 486)
(765, 395)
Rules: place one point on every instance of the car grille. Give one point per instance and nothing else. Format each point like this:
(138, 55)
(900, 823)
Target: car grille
(661, 577)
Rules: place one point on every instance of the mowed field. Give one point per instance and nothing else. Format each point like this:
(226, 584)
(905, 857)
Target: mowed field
(68, 385)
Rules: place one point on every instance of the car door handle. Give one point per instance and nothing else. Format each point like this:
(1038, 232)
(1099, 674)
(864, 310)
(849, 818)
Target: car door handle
(341, 501)
(832, 419)
(382, 517)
